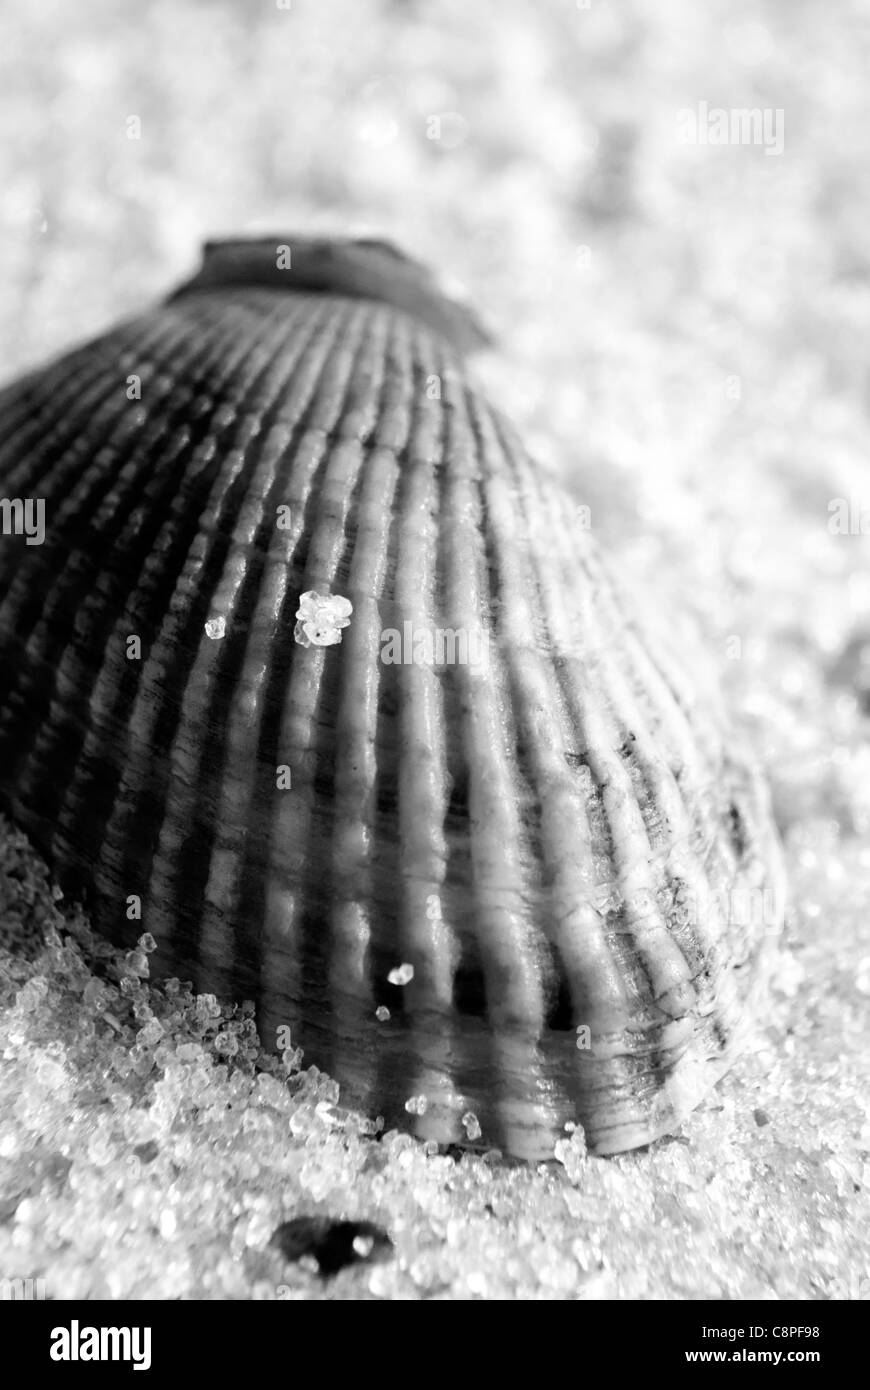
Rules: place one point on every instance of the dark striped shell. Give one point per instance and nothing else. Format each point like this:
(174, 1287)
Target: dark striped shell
(555, 841)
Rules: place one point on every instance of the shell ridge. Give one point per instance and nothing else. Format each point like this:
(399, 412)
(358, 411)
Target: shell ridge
(342, 699)
(157, 708)
(292, 933)
(187, 831)
(506, 942)
(214, 865)
(426, 936)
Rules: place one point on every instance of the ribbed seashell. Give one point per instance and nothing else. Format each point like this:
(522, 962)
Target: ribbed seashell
(493, 894)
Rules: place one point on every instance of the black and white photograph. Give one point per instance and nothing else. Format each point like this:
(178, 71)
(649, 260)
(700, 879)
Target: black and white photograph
(434, 666)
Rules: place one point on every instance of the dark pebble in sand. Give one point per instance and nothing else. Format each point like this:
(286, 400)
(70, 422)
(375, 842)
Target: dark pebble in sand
(334, 1244)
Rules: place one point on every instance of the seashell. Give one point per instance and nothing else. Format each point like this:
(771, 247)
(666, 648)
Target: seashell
(479, 853)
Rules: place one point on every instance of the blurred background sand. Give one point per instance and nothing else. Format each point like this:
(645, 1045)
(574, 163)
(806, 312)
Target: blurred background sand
(683, 332)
